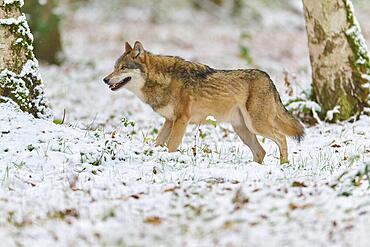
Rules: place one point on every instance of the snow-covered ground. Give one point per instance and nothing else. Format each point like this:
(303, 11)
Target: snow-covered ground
(98, 180)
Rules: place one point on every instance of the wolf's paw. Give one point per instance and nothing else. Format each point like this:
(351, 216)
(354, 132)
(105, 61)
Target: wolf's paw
(284, 162)
(158, 144)
(258, 160)
(172, 150)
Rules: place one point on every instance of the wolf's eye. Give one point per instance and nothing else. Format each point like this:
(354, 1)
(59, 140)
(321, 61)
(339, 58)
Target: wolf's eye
(123, 67)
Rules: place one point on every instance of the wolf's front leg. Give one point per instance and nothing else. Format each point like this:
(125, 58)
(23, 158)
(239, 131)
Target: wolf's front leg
(164, 133)
(177, 133)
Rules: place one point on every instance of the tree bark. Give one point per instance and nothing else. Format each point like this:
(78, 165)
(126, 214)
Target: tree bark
(20, 80)
(339, 58)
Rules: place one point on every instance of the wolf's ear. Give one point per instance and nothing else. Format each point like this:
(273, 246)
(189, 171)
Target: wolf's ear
(138, 51)
(128, 47)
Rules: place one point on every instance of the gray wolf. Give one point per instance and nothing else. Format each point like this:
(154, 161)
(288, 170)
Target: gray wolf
(185, 92)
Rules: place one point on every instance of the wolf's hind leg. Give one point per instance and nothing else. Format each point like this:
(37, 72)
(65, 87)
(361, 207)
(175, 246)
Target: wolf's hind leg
(280, 140)
(266, 129)
(262, 123)
(248, 137)
(164, 133)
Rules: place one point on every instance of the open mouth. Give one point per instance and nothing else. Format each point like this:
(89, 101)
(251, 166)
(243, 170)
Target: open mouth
(120, 84)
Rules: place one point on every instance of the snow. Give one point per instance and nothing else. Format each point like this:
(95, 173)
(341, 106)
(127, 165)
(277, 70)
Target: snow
(99, 180)
(9, 2)
(21, 22)
(212, 120)
(300, 105)
(12, 20)
(355, 34)
(18, 84)
(13, 81)
(366, 77)
(53, 190)
(31, 67)
(330, 114)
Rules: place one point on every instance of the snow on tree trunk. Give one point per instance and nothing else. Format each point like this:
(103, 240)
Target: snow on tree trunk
(339, 58)
(20, 79)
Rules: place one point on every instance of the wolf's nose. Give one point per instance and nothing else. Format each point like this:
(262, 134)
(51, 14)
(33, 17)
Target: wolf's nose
(106, 80)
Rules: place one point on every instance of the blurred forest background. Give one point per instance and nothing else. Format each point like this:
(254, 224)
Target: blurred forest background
(47, 18)
(77, 42)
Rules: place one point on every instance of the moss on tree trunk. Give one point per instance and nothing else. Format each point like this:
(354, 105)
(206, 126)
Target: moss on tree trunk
(20, 79)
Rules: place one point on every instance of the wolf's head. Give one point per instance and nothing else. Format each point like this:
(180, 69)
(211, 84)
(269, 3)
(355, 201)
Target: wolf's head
(130, 69)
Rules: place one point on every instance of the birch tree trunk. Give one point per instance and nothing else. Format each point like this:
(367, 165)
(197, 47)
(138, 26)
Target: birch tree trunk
(339, 58)
(20, 79)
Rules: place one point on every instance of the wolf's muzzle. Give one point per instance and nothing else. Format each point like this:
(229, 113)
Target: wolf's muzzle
(106, 80)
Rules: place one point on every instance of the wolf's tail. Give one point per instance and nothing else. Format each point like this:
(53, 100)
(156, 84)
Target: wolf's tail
(288, 124)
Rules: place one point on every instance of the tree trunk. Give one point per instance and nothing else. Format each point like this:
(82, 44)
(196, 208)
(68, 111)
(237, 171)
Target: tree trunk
(339, 58)
(20, 79)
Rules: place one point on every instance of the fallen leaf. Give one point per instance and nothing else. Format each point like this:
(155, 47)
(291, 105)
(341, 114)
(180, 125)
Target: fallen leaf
(153, 220)
(298, 184)
(172, 189)
(239, 199)
(228, 224)
(335, 145)
(293, 206)
(194, 150)
(113, 134)
(135, 196)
